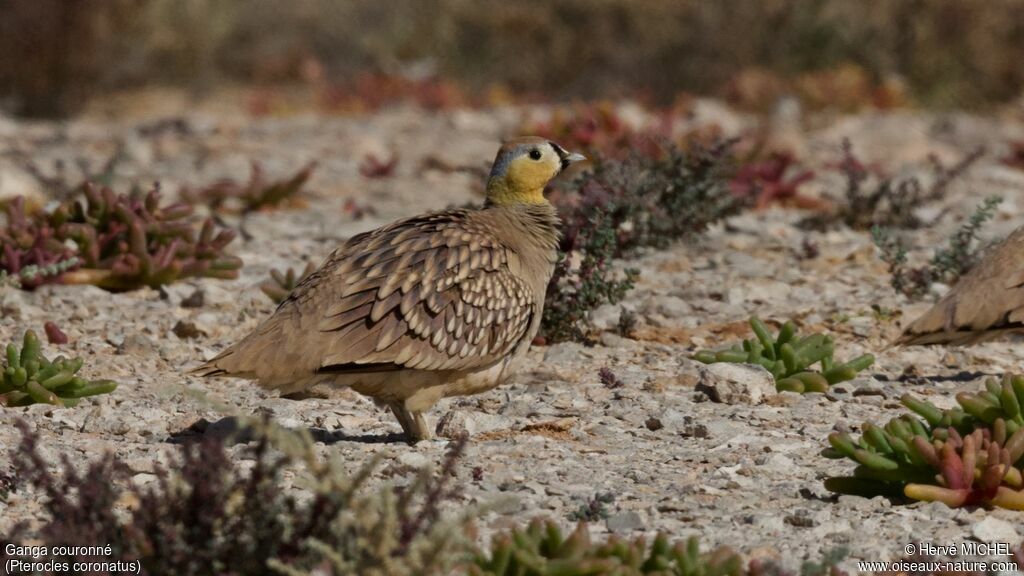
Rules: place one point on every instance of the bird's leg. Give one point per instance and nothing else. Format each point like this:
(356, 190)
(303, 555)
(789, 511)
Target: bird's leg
(421, 428)
(414, 424)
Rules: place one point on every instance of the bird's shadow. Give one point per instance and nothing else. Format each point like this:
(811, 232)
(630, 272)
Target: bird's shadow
(336, 436)
(962, 376)
(230, 430)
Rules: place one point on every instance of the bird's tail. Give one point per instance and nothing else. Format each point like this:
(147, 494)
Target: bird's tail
(208, 369)
(223, 364)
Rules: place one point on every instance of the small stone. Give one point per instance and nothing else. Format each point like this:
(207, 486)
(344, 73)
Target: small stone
(289, 423)
(457, 423)
(866, 387)
(861, 325)
(557, 425)
(992, 529)
(613, 340)
(684, 425)
(837, 393)
(413, 459)
(801, 519)
(563, 353)
(54, 335)
(115, 424)
(16, 182)
(624, 522)
(736, 383)
(778, 463)
(605, 317)
(194, 300)
(187, 330)
(144, 478)
(658, 384)
(17, 304)
(842, 427)
(854, 502)
(141, 464)
(695, 431)
(671, 306)
(653, 424)
(136, 344)
(785, 399)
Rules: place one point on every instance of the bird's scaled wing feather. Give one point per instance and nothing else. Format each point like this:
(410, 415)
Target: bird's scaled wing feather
(433, 293)
(986, 303)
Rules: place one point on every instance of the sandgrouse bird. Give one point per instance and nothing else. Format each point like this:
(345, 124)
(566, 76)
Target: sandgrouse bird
(986, 303)
(432, 306)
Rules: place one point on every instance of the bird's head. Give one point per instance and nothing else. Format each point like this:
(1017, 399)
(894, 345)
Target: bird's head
(522, 169)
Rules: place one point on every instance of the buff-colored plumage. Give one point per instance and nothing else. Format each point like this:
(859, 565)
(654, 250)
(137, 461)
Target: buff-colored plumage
(986, 303)
(428, 307)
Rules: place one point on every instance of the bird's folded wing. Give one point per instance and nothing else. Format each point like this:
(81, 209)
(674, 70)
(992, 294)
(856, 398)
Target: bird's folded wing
(434, 293)
(985, 303)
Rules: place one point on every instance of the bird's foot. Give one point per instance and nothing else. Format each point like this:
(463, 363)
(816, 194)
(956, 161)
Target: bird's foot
(414, 424)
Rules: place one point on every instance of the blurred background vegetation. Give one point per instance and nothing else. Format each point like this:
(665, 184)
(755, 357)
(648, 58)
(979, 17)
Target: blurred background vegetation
(57, 54)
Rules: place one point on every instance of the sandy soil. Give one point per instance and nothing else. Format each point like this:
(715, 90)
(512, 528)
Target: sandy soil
(745, 475)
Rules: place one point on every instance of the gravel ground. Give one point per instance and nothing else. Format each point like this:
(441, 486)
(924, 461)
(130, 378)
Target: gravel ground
(554, 438)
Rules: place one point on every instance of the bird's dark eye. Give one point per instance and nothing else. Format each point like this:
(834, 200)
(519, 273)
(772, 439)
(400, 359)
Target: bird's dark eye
(535, 154)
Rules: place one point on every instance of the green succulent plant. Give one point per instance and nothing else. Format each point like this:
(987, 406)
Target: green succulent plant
(257, 194)
(29, 377)
(789, 358)
(127, 241)
(34, 274)
(541, 549)
(115, 241)
(968, 455)
(31, 253)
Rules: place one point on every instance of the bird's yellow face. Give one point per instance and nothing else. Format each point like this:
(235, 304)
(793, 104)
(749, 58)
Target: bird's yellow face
(522, 169)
